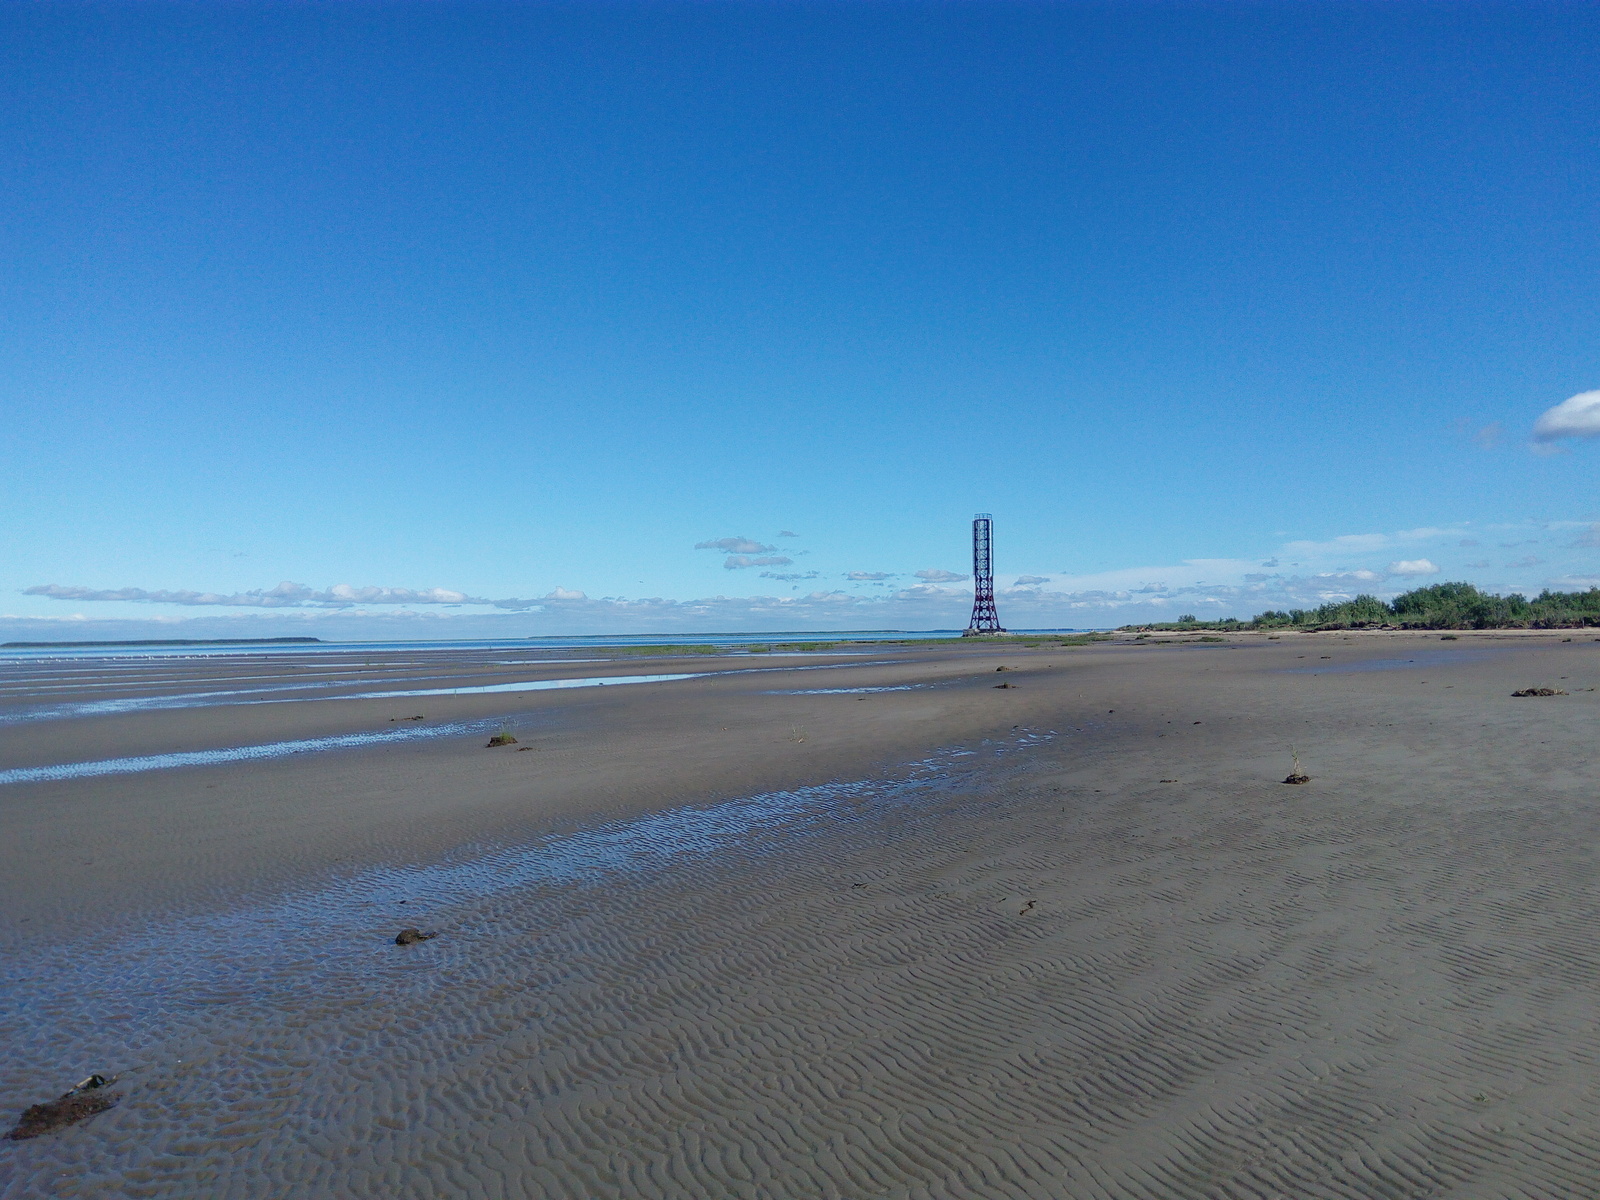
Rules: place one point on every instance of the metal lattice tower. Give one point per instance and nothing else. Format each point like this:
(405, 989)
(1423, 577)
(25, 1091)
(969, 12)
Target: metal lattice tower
(984, 617)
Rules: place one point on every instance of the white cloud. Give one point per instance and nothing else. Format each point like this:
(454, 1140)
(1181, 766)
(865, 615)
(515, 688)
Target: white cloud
(289, 596)
(1210, 588)
(735, 545)
(1575, 417)
(286, 595)
(935, 598)
(1410, 566)
(1350, 543)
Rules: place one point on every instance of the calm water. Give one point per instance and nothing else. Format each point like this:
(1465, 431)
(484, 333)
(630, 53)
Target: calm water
(585, 642)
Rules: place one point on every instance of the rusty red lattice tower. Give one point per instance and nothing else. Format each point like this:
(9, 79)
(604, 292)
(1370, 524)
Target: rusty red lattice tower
(984, 617)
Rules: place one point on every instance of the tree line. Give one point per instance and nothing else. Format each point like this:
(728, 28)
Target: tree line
(1439, 606)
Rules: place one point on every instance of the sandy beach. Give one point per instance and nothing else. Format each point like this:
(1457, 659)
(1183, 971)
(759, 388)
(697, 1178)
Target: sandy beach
(841, 924)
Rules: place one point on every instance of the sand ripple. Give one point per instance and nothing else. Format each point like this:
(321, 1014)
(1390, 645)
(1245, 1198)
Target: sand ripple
(986, 980)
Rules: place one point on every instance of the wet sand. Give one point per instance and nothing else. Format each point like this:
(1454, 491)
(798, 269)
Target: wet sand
(1067, 938)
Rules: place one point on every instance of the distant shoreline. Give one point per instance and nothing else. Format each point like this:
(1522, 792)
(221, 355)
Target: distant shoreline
(273, 641)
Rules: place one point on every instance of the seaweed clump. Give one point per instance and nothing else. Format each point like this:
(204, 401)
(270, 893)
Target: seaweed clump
(1296, 773)
(88, 1098)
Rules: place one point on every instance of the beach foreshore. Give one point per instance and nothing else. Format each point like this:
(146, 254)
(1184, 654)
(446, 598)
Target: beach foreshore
(133, 842)
(771, 932)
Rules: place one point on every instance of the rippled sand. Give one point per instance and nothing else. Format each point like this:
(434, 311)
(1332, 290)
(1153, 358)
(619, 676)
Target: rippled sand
(1020, 966)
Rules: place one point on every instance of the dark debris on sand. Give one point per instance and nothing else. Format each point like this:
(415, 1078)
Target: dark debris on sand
(89, 1097)
(500, 739)
(1539, 692)
(1297, 778)
(407, 937)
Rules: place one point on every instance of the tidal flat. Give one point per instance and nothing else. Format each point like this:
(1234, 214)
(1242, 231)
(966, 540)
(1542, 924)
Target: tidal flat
(880, 928)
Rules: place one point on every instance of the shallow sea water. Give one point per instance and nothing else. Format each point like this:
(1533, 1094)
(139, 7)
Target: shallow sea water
(22, 704)
(1417, 658)
(135, 764)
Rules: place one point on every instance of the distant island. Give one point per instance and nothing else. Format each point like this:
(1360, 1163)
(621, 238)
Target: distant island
(279, 641)
(1441, 606)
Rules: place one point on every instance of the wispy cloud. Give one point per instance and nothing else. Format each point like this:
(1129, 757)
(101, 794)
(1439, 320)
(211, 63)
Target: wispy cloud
(1301, 574)
(1575, 417)
(1352, 544)
(286, 595)
(735, 545)
(787, 533)
(1413, 567)
(1210, 588)
(1487, 436)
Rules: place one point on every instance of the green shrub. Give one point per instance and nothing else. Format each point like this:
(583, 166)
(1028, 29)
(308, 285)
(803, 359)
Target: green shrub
(1437, 606)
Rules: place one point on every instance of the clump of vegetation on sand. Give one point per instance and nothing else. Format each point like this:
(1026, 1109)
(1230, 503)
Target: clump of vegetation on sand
(1439, 606)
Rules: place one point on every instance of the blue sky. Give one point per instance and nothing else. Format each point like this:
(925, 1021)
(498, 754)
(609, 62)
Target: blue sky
(448, 319)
